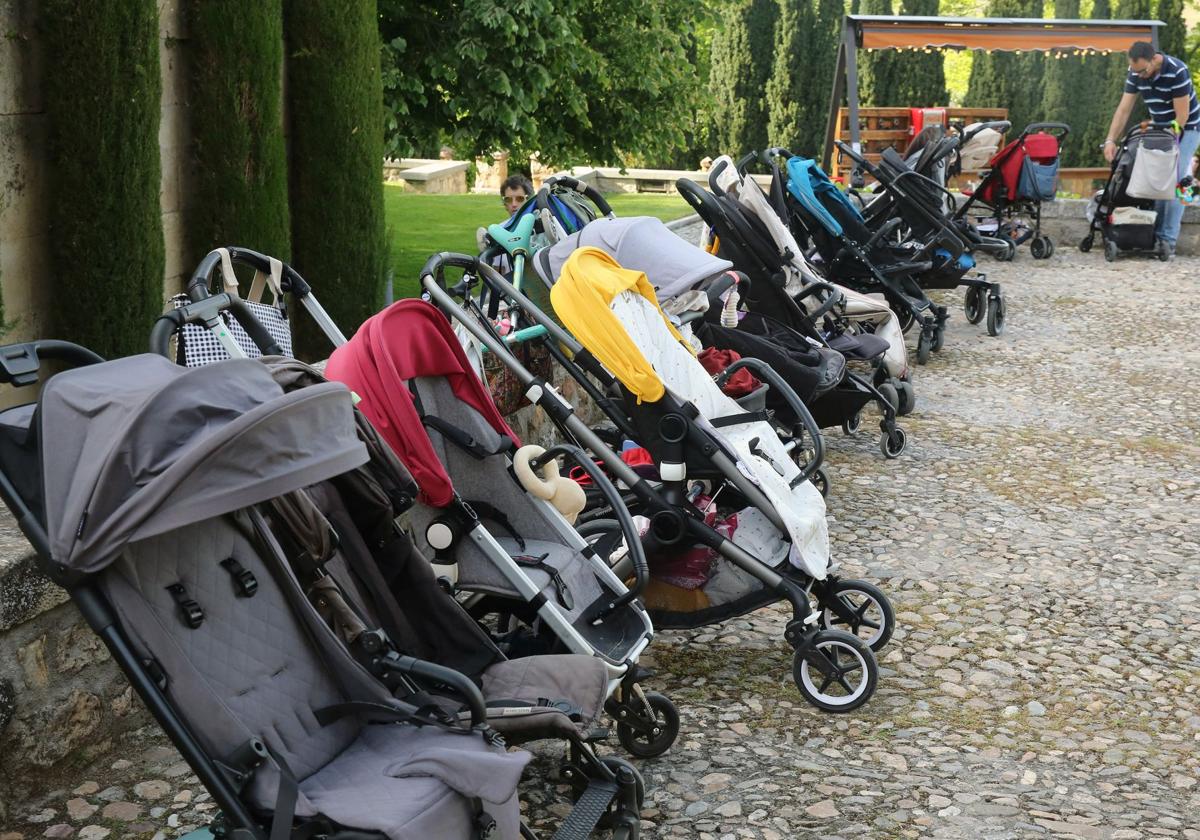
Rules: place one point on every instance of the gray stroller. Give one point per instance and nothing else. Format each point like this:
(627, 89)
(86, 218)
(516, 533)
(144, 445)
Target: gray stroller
(147, 510)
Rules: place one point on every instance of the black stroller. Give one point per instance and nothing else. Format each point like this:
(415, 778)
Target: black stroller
(1126, 221)
(147, 508)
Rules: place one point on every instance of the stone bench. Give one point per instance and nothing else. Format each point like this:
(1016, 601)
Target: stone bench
(443, 177)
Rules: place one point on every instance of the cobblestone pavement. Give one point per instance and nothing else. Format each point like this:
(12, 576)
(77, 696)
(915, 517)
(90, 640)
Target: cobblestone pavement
(1040, 543)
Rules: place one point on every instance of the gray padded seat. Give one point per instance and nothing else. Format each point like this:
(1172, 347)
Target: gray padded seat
(260, 666)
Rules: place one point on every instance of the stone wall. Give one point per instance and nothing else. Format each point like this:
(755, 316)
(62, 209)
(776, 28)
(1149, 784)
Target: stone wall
(25, 238)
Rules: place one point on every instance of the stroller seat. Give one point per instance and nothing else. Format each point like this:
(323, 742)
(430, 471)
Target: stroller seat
(862, 347)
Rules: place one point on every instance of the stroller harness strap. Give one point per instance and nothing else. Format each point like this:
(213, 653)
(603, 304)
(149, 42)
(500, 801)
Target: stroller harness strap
(582, 297)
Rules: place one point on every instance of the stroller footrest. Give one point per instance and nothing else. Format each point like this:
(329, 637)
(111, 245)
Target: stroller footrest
(588, 811)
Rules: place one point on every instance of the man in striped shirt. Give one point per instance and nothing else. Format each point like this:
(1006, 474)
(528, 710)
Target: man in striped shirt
(1165, 85)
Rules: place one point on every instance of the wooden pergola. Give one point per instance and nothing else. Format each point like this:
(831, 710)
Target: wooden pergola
(880, 32)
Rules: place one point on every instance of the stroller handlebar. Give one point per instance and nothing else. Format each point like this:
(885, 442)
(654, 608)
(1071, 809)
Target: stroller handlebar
(587, 190)
(206, 311)
(290, 281)
(1058, 129)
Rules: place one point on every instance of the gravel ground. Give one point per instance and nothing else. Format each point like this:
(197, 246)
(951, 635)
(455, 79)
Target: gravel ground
(1039, 540)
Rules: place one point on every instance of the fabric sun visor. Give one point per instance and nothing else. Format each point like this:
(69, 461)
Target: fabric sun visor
(408, 340)
(143, 446)
(582, 298)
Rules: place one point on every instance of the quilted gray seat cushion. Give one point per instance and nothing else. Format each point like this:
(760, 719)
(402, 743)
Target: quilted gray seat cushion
(260, 666)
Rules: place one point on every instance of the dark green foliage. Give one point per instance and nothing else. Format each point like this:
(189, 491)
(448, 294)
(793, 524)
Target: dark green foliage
(336, 135)
(102, 97)
(922, 81)
(235, 100)
(879, 70)
(570, 78)
(1008, 79)
(1064, 96)
(1172, 39)
(789, 86)
(742, 52)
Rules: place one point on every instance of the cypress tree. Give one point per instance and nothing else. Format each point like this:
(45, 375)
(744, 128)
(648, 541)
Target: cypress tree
(879, 70)
(789, 82)
(741, 65)
(827, 29)
(1008, 79)
(922, 78)
(102, 95)
(235, 98)
(335, 101)
(1172, 38)
(1062, 96)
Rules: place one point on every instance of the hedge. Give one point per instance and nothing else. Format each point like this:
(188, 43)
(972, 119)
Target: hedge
(335, 105)
(235, 99)
(102, 98)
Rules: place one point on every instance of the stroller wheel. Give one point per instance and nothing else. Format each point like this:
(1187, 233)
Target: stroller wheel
(906, 318)
(974, 304)
(893, 445)
(835, 671)
(1010, 251)
(864, 611)
(1085, 244)
(850, 426)
(1110, 250)
(939, 336)
(1050, 245)
(995, 316)
(890, 393)
(1040, 247)
(924, 345)
(654, 730)
(908, 397)
(821, 481)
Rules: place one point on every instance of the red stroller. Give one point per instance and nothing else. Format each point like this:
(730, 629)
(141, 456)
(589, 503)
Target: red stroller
(1020, 176)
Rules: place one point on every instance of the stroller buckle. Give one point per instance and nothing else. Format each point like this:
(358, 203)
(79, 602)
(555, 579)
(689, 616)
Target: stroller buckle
(192, 615)
(243, 579)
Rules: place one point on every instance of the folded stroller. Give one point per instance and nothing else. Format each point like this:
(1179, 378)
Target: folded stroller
(778, 549)
(510, 544)
(1143, 171)
(147, 509)
(1019, 178)
(804, 356)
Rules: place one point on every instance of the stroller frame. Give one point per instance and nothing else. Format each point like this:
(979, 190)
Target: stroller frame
(982, 296)
(1106, 204)
(1006, 207)
(668, 523)
(20, 366)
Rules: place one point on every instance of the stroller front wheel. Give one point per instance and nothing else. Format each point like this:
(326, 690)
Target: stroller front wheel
(974, 304)
(924, 345)
(821, 481)
(995, 316)
(1110, 250)
(850, 425)
(891, 394)
(908, 397)
(652, 729)
(858, 607)
(893, 443)
(835, 671)
(1085, 244)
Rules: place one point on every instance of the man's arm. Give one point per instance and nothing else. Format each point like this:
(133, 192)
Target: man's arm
(1183, 106)
(1119, 120)
(1121, 117)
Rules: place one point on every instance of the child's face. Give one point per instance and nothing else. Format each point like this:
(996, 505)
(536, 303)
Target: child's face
(514, 197)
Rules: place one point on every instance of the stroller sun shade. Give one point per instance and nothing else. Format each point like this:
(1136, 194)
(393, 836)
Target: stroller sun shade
(408, 340)
(584, 304)
(806, 181)
(643, 243)
(143, 446)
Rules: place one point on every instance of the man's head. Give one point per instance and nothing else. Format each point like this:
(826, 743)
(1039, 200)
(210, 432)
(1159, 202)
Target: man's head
(1143, 59)
(515, 190)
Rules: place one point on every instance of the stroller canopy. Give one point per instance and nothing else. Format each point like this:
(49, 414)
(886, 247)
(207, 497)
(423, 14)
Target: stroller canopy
(140, 446)
(410, 339)
(582, 297)
(640, 243)
(809, 184)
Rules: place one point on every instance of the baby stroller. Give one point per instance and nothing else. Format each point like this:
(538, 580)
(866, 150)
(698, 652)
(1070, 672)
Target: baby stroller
(826, 221)
(771, 555)
(1123, 213)
(1019, 178)
(514, 553)
(753, 228)
(647, 721)
(147, 509)
(803, 356)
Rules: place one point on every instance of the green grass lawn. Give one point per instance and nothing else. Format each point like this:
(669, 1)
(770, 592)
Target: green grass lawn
(419, 225)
